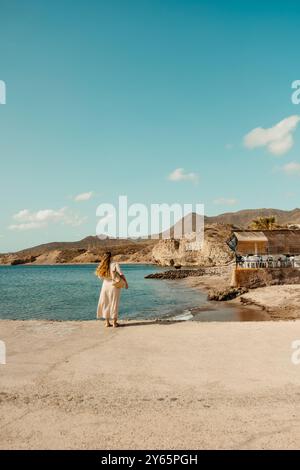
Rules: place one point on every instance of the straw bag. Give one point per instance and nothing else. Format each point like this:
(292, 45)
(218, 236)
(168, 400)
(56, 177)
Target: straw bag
(117, 280)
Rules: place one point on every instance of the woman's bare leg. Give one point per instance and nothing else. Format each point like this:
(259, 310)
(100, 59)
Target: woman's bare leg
(107, 323)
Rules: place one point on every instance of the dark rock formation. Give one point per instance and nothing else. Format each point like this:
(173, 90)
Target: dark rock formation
(227, 294)
(176, 274)
(17, 261)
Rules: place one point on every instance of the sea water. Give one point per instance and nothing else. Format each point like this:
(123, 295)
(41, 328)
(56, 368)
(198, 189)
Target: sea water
(71, 292)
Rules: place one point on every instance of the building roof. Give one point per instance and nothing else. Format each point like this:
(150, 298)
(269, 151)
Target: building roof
(247, 236)
(281, 241)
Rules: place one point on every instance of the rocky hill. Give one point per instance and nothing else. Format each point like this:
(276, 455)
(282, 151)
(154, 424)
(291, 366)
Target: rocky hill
(243, 218)
(214, 252)
(87, 250)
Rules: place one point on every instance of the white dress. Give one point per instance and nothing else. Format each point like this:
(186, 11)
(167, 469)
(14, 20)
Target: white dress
(108, 305)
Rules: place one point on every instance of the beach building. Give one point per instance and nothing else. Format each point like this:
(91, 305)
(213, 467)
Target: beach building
(271, 255)
(283, 243)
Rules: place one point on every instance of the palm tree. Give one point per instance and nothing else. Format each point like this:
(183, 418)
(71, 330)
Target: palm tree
(264, 223)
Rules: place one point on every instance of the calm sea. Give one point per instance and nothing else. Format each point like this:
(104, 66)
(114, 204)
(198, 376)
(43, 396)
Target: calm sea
(71, 292)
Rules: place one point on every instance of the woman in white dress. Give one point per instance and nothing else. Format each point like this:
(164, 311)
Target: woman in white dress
(108, 305)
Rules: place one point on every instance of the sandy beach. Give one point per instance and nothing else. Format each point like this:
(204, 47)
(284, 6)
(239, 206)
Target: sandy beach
(181, 385)
(281, 302)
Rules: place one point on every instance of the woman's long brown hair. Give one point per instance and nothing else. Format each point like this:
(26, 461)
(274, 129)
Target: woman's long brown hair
(103, 270)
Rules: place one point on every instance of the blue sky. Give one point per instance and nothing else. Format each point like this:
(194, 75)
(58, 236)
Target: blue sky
(111, 97)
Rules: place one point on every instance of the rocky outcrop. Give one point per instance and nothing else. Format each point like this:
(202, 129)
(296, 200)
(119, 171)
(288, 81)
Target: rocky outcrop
(176, 274)
(86, 257)
(214, 250)
(253, 278)
(143, 256)
(17, 261)
(226, 294)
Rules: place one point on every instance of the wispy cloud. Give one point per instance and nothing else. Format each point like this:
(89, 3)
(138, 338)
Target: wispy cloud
(223, 201)
(83, 196)
(28, 220)
(277, 139)
(180, 175)
(291, 169)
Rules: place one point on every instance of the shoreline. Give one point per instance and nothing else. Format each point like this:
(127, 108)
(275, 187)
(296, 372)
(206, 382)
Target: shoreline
(278, 302)
(209, 282)
(76, 264)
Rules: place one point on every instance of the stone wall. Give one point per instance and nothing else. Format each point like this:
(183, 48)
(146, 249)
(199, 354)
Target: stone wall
(261, 277)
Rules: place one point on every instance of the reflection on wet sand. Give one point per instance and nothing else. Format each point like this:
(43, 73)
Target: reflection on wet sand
(220, 311)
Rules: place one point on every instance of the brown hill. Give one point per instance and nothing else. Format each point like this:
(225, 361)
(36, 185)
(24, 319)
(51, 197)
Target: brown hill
(243, 218)
(87, 250)
(88, 243)
(90, 249)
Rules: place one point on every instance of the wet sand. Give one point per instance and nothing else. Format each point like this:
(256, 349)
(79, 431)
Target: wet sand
(228, 312)
(223, 311)
(146, 385)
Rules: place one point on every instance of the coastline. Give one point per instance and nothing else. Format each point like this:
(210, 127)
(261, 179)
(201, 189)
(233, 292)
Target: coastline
(175, 377)
(274, 302)
(75, 264)
(278, 302)
(176, 387)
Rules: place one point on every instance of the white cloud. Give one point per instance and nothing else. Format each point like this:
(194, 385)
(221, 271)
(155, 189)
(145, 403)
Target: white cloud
(223, 201)
(83, 196)
(180, 175)
(27, 226)
(292, 168)
(27, 220)
(45, 215)
(278, 139)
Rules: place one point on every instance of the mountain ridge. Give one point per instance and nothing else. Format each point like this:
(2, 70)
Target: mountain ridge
(91, 248)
